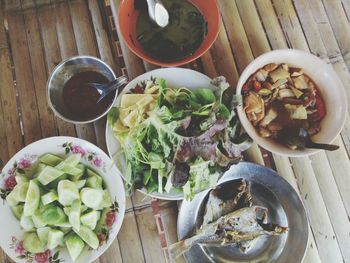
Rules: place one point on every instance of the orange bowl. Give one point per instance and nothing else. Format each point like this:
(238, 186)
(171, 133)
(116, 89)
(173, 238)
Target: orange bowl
(127, 23)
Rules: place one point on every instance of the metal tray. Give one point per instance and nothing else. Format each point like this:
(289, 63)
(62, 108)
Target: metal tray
(269, 190)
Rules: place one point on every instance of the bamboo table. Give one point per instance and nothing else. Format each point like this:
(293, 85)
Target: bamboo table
(36, 35)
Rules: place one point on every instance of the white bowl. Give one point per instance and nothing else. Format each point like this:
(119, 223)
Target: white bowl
(175, 77)
(10, 231)
(330, 86)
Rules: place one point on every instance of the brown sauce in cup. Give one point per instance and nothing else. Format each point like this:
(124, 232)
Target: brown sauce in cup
(81, 99)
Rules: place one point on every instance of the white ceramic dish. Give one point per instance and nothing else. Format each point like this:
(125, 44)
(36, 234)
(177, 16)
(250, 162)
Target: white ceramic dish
(331, 88)
(92, 156)
(175, 77)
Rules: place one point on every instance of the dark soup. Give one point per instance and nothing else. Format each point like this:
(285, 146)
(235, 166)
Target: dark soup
(81, 99)
(179, 39)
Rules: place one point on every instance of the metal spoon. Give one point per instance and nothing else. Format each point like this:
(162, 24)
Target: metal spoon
(158, 13)
(301, 139)
(105, 89)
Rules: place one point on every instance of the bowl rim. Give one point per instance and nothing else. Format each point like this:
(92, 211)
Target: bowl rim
(139, 53)
(122, 204)
(53, 72)
(242, 115)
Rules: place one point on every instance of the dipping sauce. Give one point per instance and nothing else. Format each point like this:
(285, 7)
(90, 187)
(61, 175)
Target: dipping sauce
(179, 39)
(81, 100)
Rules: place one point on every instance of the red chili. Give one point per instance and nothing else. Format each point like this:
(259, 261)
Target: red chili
(257, 86)
(320, 107)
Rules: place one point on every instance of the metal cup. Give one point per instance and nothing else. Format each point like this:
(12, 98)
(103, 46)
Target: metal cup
(63, 72)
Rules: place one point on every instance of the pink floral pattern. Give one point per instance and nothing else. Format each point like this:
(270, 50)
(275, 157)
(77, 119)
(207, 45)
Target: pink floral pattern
(44, 257)
(91, 157)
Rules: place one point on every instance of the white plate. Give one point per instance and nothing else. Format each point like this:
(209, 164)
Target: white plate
(175, 77)
(10, 231)
(329, 84)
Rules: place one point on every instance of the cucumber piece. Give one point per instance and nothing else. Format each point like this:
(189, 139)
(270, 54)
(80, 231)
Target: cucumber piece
(27, 223)
(88, 236)
(67, 210)
(80, 184)
(66, 230)
(73, 171)
(37, 220)
(76, 177)
(39, 169)
(49, 174)
(90, 219)
(49, 197)
(18, 194)
(54, 239)
(72, 161)
(32, 199)
(106, 200)
(65, 224)
(32, 243)
(91, 172)
(54, 183)
(67, 192)
(75, 246)
(74, 215)
(102, 220)
(50, 159)
(91, 197)
(94, 181)
(53, 215)
(17, 211)
(20, 179)
(82, 167)
(83, 208)
(43, 233)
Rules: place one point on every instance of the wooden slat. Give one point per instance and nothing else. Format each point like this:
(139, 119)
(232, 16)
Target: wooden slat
(12, 142)
(133, 64)
(346, 6)
(149, 236)
(24, 78)
(129, 240)
(340, 25)
(52, 56)
(322, 42)
(328, 248)
(47, 120)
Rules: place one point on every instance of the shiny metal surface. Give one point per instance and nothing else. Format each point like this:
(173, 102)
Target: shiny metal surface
(63, 72)
(268, 190)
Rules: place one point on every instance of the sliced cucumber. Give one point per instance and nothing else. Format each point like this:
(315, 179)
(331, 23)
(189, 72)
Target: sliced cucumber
(18, 194)
(27, 223)
(32, 199)
(50, 159)
(102, 220)
(67, 192)
(106, 200)
(20, 178)
(80, 184)
(83, 208)
(64, 224)
(49, 174)
(75, 246)
(43, 233)
(88, 236)
(49, 197)
(95, 182)
(39, 169)
(32, 243)
(54, 183)
(91, 172)
(38, 221)
(17, 211)
(73, 171)
(90, 219)
(90, 197)
(74, 215)
(54, 239)
(66, 230)
(53, 215)
(67, 210)
(72, 160)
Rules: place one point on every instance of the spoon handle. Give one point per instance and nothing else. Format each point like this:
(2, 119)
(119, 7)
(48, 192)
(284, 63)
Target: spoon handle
(327, 147)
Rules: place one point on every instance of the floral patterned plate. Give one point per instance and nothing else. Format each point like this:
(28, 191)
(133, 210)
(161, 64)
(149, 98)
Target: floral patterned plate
(11, 234)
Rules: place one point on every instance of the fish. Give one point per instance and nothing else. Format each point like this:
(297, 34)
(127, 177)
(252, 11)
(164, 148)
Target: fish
(238, 226)
(227, 198)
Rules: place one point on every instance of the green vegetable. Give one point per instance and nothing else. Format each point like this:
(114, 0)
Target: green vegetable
(32, 243)
(17, 211)
(75, 246)
(54, 238)
(67, 192)
(88, 236)
(49, 197)
(49, 174)
(32, 199)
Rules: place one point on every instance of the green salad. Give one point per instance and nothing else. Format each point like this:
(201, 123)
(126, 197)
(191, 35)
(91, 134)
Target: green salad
(176, 139)
(60, 202)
